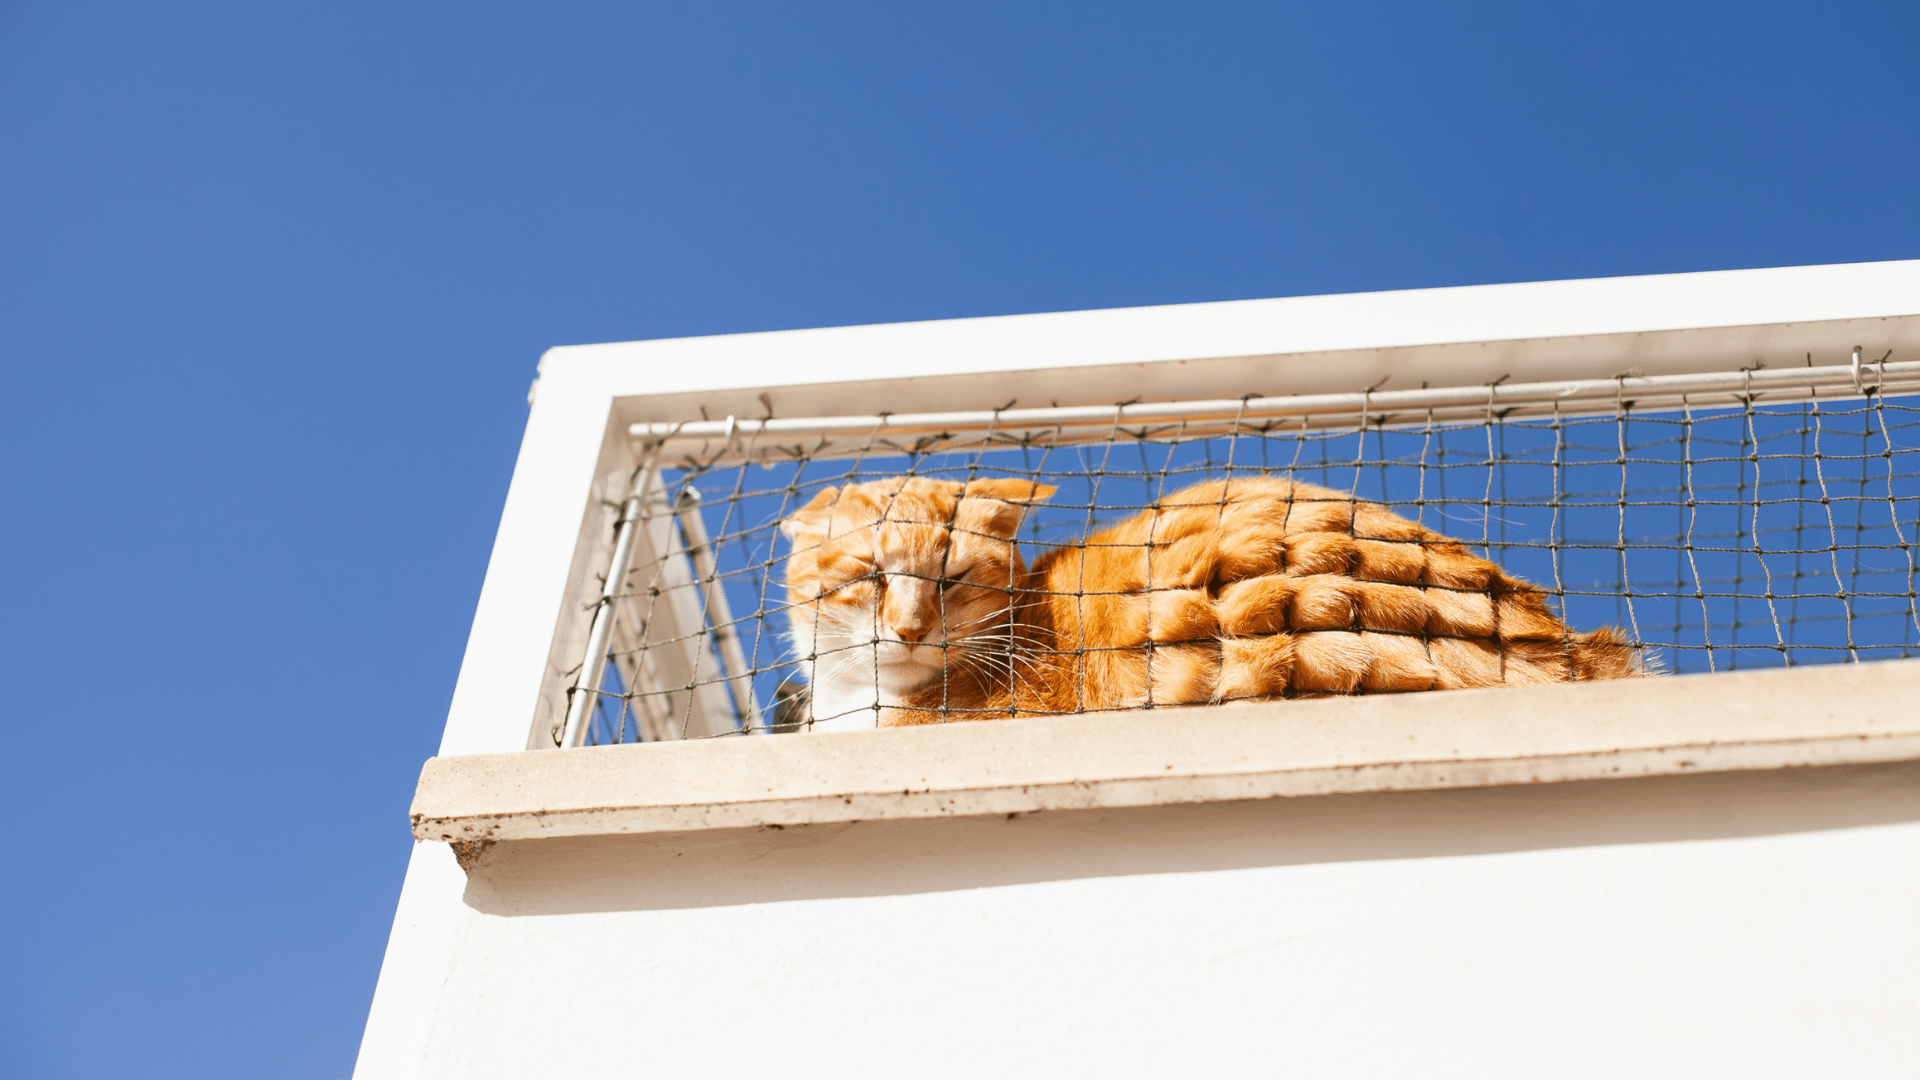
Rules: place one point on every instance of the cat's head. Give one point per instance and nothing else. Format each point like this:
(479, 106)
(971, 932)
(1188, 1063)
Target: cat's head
(893, 581)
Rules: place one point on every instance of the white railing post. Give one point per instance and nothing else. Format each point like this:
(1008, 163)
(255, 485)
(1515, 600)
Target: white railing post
(586, 690)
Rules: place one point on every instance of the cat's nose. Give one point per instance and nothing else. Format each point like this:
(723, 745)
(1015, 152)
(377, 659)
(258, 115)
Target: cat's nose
(910, 606)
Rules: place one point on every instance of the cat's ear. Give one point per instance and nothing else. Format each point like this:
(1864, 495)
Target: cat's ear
(993, 507)
(811, 519)
(1010, 490)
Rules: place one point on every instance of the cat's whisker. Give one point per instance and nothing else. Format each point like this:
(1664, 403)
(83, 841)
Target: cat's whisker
(1004, 661)
(845, 665)
(1009, 646)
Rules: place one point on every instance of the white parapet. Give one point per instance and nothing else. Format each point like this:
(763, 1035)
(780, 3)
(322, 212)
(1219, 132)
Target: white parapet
(1838, 715)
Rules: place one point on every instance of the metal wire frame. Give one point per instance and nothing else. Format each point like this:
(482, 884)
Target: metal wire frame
(708, 442)
(1726, 531)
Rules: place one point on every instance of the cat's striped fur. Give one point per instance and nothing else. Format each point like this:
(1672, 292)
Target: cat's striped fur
(913, 605)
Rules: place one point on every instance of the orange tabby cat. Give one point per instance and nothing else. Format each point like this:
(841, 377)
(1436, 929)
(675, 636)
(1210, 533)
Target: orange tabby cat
(912, 605)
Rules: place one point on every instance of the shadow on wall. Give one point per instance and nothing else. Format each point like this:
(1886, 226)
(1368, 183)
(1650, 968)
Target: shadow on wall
(890, 858)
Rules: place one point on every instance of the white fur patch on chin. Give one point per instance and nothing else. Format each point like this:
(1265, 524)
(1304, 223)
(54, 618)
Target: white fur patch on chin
(852, 702)
(844, 707)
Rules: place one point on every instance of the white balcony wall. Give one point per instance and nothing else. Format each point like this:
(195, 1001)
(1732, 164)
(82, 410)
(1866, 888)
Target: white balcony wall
(1751, 923)
(1744, 924)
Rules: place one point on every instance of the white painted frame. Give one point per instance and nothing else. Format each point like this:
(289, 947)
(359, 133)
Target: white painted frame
(576, 459)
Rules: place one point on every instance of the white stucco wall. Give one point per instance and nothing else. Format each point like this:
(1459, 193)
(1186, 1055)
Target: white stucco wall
(1757, 924)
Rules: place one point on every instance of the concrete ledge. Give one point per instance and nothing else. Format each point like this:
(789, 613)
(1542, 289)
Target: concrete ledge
(1839, 715)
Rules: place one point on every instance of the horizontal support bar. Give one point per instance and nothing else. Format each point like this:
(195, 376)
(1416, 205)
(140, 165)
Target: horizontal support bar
(774, 437)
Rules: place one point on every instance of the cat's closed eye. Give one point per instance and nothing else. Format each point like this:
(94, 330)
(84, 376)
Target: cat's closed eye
(848, 572)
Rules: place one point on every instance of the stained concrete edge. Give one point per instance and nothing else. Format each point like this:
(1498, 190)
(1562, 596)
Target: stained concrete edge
(1833, 715)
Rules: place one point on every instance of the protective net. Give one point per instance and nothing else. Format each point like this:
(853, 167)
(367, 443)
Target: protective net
(1715, 532)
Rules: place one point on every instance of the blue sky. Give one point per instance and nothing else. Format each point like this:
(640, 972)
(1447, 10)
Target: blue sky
(273, 279)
